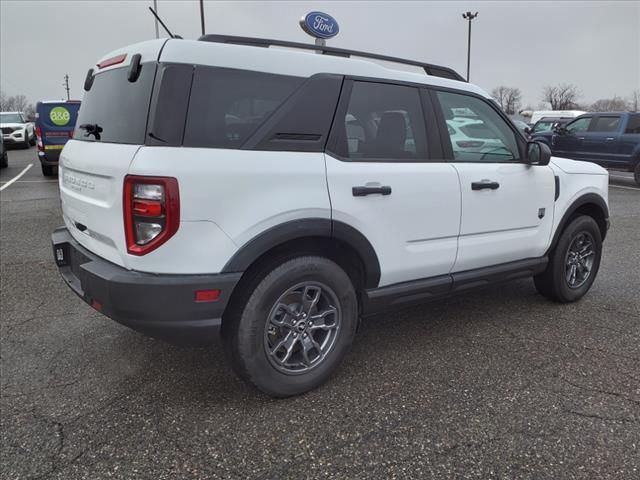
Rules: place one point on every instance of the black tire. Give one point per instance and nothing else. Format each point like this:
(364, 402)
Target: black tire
(27, 143)
(32, 141)
(553, 282)
(246, 336)
(4, 162)
(48, 170)
(636, 174)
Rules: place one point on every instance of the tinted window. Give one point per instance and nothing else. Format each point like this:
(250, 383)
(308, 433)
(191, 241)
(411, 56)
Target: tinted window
(480, 134)
(579, 125)
(118, 106)
(383, 121)
(634, 124)
(227, 105)
(606, 124)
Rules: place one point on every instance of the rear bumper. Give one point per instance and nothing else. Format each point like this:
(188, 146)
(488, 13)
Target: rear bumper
(161, 306)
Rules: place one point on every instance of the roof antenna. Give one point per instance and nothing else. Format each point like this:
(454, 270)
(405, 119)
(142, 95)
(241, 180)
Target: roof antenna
(163, 25)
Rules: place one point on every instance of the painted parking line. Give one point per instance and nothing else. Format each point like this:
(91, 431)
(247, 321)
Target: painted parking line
(26, 169)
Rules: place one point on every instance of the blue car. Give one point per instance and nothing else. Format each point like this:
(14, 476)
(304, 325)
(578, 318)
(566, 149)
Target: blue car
(610, 139)
(55, 123)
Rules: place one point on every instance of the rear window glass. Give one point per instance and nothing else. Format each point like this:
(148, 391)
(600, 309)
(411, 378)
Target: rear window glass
(606, 124)
(117, 106)
(634, 124)
(227, 105)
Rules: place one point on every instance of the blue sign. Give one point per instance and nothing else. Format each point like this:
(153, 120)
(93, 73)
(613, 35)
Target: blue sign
(319, 25)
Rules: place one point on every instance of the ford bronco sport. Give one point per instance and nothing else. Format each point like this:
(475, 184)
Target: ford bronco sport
(277, 196)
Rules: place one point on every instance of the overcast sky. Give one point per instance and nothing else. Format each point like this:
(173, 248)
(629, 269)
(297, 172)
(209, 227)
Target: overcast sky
(595, 45)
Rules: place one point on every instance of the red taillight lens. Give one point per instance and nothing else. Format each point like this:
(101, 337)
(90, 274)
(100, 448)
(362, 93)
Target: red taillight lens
(151, 212)
(112, 61)
(39, 139)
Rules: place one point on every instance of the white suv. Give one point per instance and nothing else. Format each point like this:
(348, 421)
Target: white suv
(283, 195)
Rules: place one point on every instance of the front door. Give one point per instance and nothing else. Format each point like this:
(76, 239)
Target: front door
(507, 205)
(569, 143)
(602, 140)
(382, 181)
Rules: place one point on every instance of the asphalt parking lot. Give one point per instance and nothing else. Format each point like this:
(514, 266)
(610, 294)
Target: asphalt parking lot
(496, 384)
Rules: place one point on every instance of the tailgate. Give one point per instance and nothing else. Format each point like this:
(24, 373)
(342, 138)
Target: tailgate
(91, 177)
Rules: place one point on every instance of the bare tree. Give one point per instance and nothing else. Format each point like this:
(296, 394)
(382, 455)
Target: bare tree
(509, 98)
(615, 104)
(20, 102)
(561, 97)
(634, 101)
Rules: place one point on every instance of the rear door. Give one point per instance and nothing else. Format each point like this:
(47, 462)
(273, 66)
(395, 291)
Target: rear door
(507, 205)
(601, 143)
(383, 181)
(569, 143)
(93, 166)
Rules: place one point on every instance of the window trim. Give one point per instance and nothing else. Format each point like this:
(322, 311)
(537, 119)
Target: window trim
(428, 115)
(521, 141)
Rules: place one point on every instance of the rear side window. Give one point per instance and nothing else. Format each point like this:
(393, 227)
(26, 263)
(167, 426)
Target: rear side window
(634, 124)
(606, 124)
(117, 106)
(383, 122)
(227, 105)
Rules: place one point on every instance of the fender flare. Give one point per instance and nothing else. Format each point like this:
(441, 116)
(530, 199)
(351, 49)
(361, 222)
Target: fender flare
(307, 228)
(586, 199)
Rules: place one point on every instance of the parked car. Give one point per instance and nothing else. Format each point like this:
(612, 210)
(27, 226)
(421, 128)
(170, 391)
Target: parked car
(547, 124)
(55, 122)
(282, 196)
(4, 157)
(611, 140)
(16, 129)
(538, 114)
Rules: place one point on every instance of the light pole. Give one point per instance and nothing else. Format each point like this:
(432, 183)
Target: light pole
(469, 16)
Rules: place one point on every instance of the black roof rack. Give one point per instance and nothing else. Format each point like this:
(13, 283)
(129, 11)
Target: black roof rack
(430, 69)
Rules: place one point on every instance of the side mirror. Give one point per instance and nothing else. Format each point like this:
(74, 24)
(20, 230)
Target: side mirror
(527, 130)
(538, 153)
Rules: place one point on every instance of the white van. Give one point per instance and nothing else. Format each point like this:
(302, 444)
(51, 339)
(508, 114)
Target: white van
(538, 114)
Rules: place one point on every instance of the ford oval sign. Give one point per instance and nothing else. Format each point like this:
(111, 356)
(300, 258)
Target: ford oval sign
(319, 25)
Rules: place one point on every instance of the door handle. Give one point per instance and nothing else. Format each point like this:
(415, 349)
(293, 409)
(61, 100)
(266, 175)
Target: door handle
(362, 191)
(580, 138)
(610, 139)
(485, 184)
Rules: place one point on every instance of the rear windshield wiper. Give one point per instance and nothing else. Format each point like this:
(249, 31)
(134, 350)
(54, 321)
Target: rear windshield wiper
(92, 129)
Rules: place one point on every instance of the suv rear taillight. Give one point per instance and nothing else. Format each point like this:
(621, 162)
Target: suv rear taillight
(151, 212)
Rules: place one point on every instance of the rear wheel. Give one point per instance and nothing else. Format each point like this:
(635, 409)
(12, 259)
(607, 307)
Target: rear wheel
(574, 263)
(48, 170)
(291, 332)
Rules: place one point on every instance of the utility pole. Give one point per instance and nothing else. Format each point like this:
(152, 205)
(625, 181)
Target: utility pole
(155, 7)
(469, 16)
(202, 15)
(66, 86)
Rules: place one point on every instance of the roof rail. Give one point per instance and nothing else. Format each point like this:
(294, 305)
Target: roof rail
(430, 69)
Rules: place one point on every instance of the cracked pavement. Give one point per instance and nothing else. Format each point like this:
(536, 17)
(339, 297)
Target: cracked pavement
(498, 383)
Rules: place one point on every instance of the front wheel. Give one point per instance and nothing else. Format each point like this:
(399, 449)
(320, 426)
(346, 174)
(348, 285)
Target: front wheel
(294, 329)
(574, 263)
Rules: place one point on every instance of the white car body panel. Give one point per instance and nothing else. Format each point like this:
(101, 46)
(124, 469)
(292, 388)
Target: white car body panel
(537, 115)
(240, 193)
(414, 230)
(503, 225)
